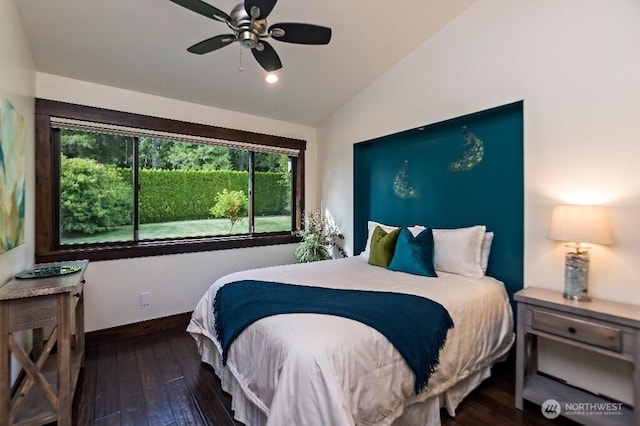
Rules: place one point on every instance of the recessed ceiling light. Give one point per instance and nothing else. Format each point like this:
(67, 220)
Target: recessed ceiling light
(271, 78)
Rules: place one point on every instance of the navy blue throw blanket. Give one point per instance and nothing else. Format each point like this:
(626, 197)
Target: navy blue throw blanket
(416, 326)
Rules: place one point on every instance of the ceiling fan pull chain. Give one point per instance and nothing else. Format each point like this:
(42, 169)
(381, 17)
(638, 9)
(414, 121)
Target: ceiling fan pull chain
(240, 67)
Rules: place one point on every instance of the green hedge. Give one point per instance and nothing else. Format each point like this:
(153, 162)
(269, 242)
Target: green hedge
(273, 194)
(168, 195)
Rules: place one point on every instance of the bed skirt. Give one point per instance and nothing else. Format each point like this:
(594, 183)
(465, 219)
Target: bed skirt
(251, 411)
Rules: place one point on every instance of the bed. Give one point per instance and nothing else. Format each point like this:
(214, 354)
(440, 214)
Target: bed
(317, 369)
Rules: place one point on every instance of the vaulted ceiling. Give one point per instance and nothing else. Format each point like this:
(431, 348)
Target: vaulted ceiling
(141, 45)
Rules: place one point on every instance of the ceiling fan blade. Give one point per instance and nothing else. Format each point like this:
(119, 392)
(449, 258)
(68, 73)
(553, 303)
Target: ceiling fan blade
(267, 58)
(301, 33)
(211, 44)
(265, 6)
(204, 9)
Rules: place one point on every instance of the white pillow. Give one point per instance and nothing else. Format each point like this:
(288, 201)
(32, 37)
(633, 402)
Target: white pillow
(459, 251)
(486, 250)
(371, 226)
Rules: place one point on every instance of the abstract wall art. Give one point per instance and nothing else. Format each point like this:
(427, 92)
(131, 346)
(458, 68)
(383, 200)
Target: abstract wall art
(12, 176)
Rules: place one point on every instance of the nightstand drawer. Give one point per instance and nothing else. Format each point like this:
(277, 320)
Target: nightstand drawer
(579, 330)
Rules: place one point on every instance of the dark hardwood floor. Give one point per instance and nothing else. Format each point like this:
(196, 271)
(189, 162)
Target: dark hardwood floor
(157, 379)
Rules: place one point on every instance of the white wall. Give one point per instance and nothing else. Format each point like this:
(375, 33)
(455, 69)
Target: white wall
(176, 282)
(575, 63)
(17, 84)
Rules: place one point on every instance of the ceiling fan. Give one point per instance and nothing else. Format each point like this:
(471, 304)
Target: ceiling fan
(248, 21)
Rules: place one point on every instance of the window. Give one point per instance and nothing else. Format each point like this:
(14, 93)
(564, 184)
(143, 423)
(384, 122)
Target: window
(113, 185)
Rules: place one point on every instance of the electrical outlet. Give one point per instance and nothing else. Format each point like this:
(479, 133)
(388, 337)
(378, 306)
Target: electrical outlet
(145, 298)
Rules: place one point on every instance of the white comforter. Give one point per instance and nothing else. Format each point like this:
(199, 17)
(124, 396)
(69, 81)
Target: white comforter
(311, 369)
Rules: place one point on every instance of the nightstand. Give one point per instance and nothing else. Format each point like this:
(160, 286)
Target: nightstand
(608, 328)
(45, 392)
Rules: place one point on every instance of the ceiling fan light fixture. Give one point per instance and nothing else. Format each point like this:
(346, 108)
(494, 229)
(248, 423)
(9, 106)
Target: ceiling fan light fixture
(249, 39)
(271, 78)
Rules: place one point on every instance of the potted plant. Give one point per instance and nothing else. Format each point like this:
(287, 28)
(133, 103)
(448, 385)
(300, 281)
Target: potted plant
(320, 238)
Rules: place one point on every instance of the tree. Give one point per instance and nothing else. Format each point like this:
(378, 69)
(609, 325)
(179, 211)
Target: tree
(104, 148)
(239, 159)
(230, 204)
(78, 144)
(271, 162)
(93, 197)
(263, 161)
(186, 156)
(117, 150)
(152, 153)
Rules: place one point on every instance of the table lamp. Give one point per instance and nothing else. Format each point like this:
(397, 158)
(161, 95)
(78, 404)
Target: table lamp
(577, 225)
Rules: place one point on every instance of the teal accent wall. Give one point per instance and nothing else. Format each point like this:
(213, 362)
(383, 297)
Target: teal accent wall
(490, 192)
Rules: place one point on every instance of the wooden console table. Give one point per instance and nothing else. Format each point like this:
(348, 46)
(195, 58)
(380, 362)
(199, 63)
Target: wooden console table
(45, 393)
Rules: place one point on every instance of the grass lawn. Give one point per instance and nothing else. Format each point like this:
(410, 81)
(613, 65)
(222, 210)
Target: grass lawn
(184, 228)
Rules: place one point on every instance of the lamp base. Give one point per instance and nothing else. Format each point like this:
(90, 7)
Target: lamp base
(576, 274)
(577, 298)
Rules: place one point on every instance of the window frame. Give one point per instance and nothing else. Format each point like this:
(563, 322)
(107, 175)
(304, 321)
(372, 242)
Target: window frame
(47, 153)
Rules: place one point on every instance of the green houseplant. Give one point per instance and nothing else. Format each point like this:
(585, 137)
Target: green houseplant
(320, 238)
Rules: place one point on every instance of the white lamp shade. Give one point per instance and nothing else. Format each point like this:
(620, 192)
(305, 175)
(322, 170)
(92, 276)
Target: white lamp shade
(580, 224)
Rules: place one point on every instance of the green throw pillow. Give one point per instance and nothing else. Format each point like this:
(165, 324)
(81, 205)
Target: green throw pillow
(414, 255)
(383, 246)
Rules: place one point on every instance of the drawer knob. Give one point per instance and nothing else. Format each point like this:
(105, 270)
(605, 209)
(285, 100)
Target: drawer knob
(572, 330)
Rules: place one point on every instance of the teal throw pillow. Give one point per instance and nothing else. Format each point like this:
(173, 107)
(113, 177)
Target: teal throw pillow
(383, 245)
(414, 255)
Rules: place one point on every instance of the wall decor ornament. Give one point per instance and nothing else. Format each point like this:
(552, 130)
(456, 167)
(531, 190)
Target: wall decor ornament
(12, 176)
(401, 185)
(471, 157)
(490, 193)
